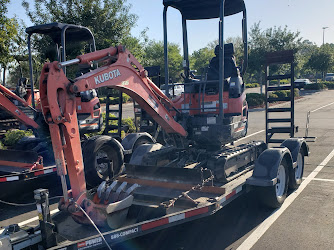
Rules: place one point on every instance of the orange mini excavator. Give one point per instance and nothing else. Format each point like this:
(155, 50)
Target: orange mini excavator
(210, 114)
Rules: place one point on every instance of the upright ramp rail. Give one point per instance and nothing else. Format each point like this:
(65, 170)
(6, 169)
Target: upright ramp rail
(272, 60)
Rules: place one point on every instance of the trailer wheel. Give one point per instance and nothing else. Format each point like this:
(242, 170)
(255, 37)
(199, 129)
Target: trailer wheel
(296, 174)
(274, 196)
(103, 159)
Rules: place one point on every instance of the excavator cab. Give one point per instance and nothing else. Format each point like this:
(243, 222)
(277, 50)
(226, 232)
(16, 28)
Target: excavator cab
(214, 108)
(66, 38)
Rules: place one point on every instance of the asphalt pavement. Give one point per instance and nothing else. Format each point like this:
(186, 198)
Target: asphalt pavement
(305, 221)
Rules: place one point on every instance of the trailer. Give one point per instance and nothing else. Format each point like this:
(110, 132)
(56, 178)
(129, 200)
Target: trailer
(166, 197)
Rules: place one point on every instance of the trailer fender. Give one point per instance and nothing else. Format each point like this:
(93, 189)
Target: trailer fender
(139, 153)
(266, 166)
(132, 141)
(295, 145)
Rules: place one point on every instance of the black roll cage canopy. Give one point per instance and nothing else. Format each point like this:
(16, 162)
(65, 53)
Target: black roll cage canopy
(206, 9)
(59, 33)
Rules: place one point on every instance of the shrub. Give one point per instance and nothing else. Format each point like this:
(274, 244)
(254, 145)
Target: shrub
(329, 85)
(14, 135)
(255, 99)
(252, 85)
(282, 82)
(285, 81)
(273, 95)
(281, 93)
(314, 86)
(129, 122)
(126, 98)
(115, 100)
(297, 92)
(102, 99)
(126, 122)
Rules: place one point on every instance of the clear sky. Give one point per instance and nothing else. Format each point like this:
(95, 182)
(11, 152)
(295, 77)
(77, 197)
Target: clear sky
(306, 16)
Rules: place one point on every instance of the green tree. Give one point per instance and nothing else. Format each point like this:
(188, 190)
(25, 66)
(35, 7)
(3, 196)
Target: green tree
(109, 20)
(8, 30)
(307, 48)
(200, 59)
(322, 59)
(271, 39)
(154, 56)
(19, 52)
(136, 45)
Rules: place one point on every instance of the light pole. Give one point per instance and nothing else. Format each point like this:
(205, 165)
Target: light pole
(323, 43)
(323, 34)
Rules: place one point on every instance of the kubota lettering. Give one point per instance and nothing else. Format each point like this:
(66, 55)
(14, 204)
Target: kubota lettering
(107, 76)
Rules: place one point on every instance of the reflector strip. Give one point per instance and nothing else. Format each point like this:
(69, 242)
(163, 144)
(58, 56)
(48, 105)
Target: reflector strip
(153, 224)
(12, 178)
(28, 175)
(38, 173)
(174, 218)
(47, 171)
(230, 195)
(195, 212)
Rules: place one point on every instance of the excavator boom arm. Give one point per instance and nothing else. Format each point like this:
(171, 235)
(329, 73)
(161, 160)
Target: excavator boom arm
(11, 108)
(59, 106)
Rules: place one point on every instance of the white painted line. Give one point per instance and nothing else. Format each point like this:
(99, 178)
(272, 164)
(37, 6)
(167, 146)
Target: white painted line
(36, 218)
(265, 225)
(258, 132)
(319, 179)
(322, 107)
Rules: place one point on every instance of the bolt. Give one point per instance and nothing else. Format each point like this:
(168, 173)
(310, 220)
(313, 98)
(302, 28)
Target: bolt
(59, 118)
(75, 88)
(77, 162)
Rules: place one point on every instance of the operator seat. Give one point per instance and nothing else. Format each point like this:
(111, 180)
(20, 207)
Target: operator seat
(230, 67)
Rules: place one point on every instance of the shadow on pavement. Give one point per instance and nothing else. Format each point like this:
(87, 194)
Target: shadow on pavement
(218, 231)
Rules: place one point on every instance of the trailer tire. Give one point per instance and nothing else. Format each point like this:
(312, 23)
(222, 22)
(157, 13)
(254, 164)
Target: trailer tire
(103, 159)
(296, 174)
(274, 196)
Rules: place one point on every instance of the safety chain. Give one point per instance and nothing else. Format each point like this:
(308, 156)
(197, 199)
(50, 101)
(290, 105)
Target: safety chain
(170, 203)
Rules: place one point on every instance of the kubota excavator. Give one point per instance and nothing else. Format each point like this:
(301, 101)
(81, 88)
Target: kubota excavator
(210, 114)
(32, 152)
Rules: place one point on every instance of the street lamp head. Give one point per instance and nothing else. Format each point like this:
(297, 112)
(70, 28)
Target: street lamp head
(323, 34)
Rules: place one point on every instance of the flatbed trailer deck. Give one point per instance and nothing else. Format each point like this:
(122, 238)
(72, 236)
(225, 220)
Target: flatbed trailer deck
(160, 200)
(86, 237)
